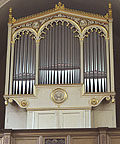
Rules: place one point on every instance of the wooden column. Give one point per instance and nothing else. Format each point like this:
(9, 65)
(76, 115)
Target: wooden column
(8, 60)
(7, 138)
(102, 136)
(37, 61)
(11, 68)
(108, 69)
(111, 55)
(81, 60)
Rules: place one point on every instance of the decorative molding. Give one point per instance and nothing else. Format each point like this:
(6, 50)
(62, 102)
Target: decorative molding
(54, 141)
(23, 31)
(56, 20)
(83, 27)
(11, 18)
(60, 7)
(98, 28)
(7, 138)
(110, 11)
(97, 100)
(22, 102)
(80, 21)
(58, 108)
(59, 95)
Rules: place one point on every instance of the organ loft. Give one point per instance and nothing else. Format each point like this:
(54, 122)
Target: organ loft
(60, 70)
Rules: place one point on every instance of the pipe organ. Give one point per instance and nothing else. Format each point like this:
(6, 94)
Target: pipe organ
(24, 64)
(59, 55)
(60, 66)
(95, 72)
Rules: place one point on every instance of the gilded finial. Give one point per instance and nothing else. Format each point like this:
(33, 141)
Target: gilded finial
(10, 15)
(59, 6)
(110, 6)
(110, 10)
(11, 18)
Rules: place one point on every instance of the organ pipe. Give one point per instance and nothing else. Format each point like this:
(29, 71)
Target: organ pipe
(59, 61)
(24, 65)
(95, 70)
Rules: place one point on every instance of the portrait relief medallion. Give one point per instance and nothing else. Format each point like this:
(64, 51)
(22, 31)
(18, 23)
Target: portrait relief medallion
(59, 95)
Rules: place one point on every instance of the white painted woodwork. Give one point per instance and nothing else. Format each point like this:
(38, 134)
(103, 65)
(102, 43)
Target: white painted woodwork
(59, 119)
(8, 60)
(81, 61)
(37, 60)
(111, 56)
(11, 68)
(108, 68)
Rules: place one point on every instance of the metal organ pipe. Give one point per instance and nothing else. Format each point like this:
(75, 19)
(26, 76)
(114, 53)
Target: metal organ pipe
(24, 65)
(61, 63)
(95, 73)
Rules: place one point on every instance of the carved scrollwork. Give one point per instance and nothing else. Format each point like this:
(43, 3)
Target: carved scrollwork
(24, 31)
(99, 29)
(26, 25)
(51, 23)
(36, 25)
(95, 101)
(55, 141)
(83, 23)
(23, 103)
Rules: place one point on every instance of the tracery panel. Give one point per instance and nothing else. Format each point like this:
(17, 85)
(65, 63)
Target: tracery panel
(95, 71)
(59, 55)
(24, 63)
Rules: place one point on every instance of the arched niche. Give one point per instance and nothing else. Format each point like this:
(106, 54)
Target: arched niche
(95, 59)
(59, 52)
(24, 60)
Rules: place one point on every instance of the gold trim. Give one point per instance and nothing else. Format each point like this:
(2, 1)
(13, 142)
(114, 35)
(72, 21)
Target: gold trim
(11, 18)
(110, 11)
(94, 101)
(113, 99)
(20, 96)
(92, 26)
(25, 29)
(10, 15)
(34, 19)
(24, 103)
(60, 18)
(58, 108)
(100, 94)
(108, 98)
(60, 85)
(57, 98)
(60, 7)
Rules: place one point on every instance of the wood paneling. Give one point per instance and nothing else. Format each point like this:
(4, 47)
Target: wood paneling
(62, 136)
(26, 141)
